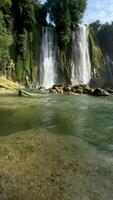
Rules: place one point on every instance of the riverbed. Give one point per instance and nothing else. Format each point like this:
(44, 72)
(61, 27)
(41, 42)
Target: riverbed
(56, 147)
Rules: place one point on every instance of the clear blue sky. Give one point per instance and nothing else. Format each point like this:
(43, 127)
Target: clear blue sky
(98, 9)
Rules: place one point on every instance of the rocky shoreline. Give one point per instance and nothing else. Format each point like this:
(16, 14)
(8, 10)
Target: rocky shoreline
(70, 90)
(80, 89)
(8, 86)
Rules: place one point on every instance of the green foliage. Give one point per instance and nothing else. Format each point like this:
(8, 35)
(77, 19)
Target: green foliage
(63, 29)
(94, 28)
(105, 38)
(63, 60)
(19, 32)
(97, 58)
(26, 14)
(41, 13)
(6, 38)
(5, 42)
(76, 9)
(64, 14)
(27, 63)
(19, 69)
(23, 12)
(101, 43)
(5, 3)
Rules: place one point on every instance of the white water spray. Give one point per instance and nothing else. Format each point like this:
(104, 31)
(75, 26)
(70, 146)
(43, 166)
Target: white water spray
(48, 59)
(80, 60)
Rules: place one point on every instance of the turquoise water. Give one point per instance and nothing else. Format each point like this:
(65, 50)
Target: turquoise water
(81, 116)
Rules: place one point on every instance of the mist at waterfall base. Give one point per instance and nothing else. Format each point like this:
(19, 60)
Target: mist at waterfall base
(80, 65)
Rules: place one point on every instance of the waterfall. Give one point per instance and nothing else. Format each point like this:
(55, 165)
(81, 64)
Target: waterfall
(48, 58)
(80, 59)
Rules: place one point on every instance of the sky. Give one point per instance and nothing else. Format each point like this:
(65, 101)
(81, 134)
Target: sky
(97, 9)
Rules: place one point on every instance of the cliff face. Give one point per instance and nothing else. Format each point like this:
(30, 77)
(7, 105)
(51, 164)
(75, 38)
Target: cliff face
(42, 62)
(101, 66)
(103, 77)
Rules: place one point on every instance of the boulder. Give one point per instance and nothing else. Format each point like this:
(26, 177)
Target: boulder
(110, 91)
(67, 88)
(77, 89)
(53, 91)
(88, 91)
(100, 92)
(56, 86)
(58, 89)
(23, 93)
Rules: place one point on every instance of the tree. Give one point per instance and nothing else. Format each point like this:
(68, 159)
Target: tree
(105, 38)
(77, 9)
(102, 34)
(6, 38)
(94, 29)
(64, 14)
(23, 13)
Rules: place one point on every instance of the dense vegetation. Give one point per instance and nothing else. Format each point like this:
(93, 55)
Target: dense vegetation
(65, 14)
(101, 48)
(6, 38)
(19, 30)
(102, 35)
(20, 33)
(21, 22)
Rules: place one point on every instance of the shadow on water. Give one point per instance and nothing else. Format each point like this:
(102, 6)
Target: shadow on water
(86, 117)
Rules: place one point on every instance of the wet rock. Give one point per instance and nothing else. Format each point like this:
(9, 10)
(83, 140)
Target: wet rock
(80, 89)
(60, 90)
(110, 91)
(77, 89)
(42, 88)
(22, 93)
(67, 88)
(57, 89)
(53, 91)
(56, 86)
(88, 91)
(100, 92)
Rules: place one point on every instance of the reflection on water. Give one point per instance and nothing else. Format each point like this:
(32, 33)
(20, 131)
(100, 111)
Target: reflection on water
(82, 116)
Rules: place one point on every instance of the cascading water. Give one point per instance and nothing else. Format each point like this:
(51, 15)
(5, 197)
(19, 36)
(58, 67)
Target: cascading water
(48, 59)
(80, 60)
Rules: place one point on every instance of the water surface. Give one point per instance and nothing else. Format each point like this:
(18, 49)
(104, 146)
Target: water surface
(81, 116)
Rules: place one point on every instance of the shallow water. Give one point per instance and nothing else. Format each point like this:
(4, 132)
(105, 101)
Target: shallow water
(81, 116)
